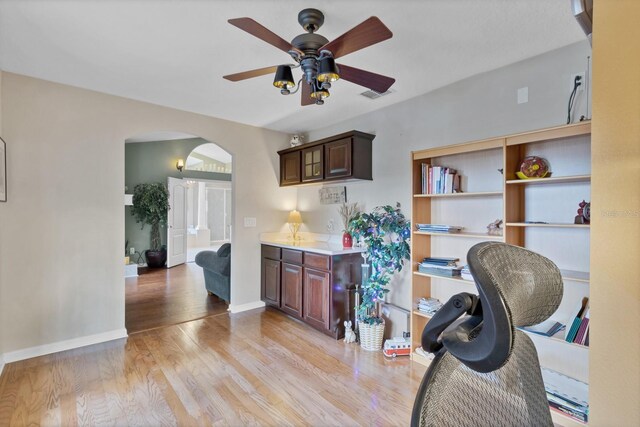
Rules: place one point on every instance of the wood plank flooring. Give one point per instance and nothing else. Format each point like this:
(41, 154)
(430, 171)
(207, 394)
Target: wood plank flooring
(253, 368)
(162, 297)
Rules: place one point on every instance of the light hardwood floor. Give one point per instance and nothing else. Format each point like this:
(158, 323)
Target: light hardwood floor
(254, 368)
(163, 297)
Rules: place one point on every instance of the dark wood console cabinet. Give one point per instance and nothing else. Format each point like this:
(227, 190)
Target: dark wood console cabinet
(340, 157)
(309, 286)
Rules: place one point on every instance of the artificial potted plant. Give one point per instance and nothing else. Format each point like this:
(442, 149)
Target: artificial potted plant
(150, 206)
(385, 232)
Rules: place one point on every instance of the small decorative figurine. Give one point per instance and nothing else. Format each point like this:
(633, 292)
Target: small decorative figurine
(296, 140)
(584, 213)
(349, 335)
(494, 229)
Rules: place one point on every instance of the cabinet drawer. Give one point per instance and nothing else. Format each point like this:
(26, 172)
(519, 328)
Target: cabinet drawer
(270, 252)
(322, 262)
(289, 255)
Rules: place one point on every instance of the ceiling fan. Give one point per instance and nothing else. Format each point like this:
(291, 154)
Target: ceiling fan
(315, 56)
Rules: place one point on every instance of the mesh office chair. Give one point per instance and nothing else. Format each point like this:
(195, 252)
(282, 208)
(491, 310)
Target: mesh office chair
(486, 372)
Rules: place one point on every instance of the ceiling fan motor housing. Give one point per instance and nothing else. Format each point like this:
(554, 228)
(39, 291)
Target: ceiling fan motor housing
(311, 19)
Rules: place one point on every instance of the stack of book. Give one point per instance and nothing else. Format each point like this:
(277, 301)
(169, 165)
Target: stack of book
(578, 324)
(566, 395)
(440, 266)
(429, 306)
(439, 228)
(439, 180)
(466, 273)
(548, 328)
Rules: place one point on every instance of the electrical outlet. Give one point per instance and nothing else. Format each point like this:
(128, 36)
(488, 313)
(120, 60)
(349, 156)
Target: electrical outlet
(132, 251)
(330, 225)
(582, 81)
(250, 222)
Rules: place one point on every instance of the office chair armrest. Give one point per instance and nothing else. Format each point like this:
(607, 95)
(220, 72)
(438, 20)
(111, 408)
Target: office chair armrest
(454, 308)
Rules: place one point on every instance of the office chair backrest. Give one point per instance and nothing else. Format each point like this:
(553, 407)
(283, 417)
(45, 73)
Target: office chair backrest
(486, 372)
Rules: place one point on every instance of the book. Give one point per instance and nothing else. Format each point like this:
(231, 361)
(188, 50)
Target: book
(451, 272)
(582, 329)
(440, 261)
(575, 319)
(547, 328)
(566, 394)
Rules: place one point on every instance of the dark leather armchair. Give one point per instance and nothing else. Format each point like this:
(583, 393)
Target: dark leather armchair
(217, 270)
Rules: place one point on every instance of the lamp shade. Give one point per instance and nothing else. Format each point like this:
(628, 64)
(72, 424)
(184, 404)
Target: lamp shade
(284, 77)
(327, 70)
(294, 217)
(180, 164)
(318, 92)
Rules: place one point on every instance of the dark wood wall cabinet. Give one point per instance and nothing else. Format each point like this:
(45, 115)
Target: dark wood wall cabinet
(340, 157)
(312, 287)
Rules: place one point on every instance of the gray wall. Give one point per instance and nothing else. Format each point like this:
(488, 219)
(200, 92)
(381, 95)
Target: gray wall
(479, 107)
(155, 161)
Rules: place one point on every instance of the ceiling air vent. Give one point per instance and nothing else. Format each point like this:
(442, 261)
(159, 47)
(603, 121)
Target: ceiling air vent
(372, 94)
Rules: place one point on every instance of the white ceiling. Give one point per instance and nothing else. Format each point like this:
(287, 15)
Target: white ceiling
(174, 53)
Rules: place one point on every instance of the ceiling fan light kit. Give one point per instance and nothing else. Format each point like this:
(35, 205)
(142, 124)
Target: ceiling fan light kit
(315, 56)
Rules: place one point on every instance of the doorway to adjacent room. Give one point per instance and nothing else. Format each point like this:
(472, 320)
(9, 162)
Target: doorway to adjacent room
(198, 176)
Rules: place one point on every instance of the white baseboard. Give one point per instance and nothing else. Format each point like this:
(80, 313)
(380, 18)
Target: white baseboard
(1, 363)
(245, 307)
(41, 350)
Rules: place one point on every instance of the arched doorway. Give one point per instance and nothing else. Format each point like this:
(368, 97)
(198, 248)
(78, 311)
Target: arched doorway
(198, 176)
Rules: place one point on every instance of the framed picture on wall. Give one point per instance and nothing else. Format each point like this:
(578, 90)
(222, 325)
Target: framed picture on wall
(3, 171)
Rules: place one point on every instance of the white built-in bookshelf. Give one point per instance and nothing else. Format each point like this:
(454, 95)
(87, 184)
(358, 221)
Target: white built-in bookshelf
(488, 195)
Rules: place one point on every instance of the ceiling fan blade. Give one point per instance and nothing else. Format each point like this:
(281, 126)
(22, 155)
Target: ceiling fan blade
(250, 74)
(368, 33)
(370, 80)
(306, 98)
(261, 32)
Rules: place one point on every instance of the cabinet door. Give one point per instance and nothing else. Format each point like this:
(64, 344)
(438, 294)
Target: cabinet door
(271, 282)
(316, 297)
(338, 159)
(290, 168)
(291, 289)
(312, 164)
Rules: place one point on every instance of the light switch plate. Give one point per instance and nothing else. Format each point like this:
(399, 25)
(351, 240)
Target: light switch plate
(523, 95)
(250, 222)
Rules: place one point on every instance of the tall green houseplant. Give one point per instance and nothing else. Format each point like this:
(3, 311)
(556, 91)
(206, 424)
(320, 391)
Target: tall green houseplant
(150, 206)
(385, 232)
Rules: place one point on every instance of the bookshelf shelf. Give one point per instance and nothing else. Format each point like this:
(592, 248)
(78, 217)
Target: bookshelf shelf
(568, 149)
(456, 195)
(451, 278)
(556, 338)
(576, 276)
(551, 180)
(556, 225)
(417, 357)
(461, 234)
(421, 314)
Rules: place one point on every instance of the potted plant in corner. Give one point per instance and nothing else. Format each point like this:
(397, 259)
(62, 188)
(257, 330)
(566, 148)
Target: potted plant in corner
(150, 206)
(385, 232)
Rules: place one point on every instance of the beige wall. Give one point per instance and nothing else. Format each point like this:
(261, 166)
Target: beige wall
(62, 232)
(615, 229)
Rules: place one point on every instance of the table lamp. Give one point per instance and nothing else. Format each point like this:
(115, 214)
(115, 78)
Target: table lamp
(294, 223)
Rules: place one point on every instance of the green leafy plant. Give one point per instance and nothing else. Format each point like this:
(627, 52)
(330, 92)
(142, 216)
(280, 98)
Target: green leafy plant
(385, 232)
(150, 206)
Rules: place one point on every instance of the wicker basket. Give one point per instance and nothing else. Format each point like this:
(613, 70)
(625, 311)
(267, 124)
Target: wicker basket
(371, 336)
